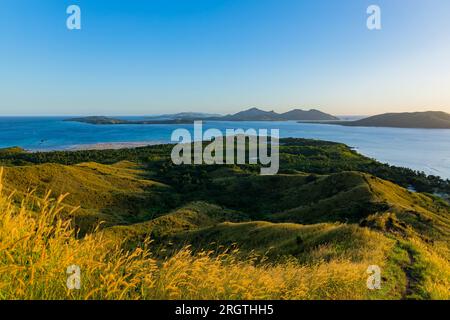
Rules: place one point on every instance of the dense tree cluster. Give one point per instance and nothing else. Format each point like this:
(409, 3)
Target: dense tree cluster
(296, 155)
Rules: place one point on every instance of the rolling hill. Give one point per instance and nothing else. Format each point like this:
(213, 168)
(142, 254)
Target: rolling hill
(330, 213)
(425, 120)
(347, 197)
(114, 194)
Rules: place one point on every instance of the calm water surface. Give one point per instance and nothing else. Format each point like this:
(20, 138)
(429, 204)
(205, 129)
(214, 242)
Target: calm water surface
(419, 149)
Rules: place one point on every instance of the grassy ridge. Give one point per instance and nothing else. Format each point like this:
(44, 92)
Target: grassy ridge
(307, 243)
(112, 194)
(37, 249)
(309, 232)
(192, 216)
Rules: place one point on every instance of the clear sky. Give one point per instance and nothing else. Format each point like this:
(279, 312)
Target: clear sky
(162, 56)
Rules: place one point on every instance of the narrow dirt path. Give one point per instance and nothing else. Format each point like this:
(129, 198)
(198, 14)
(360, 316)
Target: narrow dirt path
(410, 281)
(415, 278)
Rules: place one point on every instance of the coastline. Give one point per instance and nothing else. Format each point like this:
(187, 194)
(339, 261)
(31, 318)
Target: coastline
(104, 146)
(112, 145)
(131, 145)
(395, 146)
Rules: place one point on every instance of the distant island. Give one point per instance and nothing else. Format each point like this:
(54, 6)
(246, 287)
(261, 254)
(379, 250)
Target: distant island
(184, 115)
(419, 120)
(253, 114)
(107, 120)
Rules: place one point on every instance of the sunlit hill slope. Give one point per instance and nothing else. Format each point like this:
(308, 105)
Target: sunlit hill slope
(313, 229)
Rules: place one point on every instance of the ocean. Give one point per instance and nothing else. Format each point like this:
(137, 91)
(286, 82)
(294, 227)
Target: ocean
(425, 150)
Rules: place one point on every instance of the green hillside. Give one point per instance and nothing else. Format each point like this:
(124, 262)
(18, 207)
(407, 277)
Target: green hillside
(191, 216)
(336, 241)
(111, 194)
(329, 209)
(426, 120)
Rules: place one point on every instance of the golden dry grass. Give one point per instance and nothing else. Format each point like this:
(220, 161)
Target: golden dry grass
(435, 268)
(37, 246)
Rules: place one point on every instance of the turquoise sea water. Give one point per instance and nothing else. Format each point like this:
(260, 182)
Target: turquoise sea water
(420, 149)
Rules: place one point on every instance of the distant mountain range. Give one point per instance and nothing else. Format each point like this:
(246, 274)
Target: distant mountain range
(425, 120)
(253, 114)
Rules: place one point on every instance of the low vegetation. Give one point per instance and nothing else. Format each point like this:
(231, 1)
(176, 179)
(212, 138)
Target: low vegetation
(141, 228)
(37, 247)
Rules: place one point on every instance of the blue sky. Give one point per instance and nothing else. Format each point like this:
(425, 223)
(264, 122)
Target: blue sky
(161, 56)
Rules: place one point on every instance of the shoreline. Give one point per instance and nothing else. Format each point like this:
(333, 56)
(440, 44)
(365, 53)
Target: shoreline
(112, 145)
(428, 169)
(101, 146)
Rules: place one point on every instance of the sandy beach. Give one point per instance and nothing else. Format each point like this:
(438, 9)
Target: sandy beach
(113, 145)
